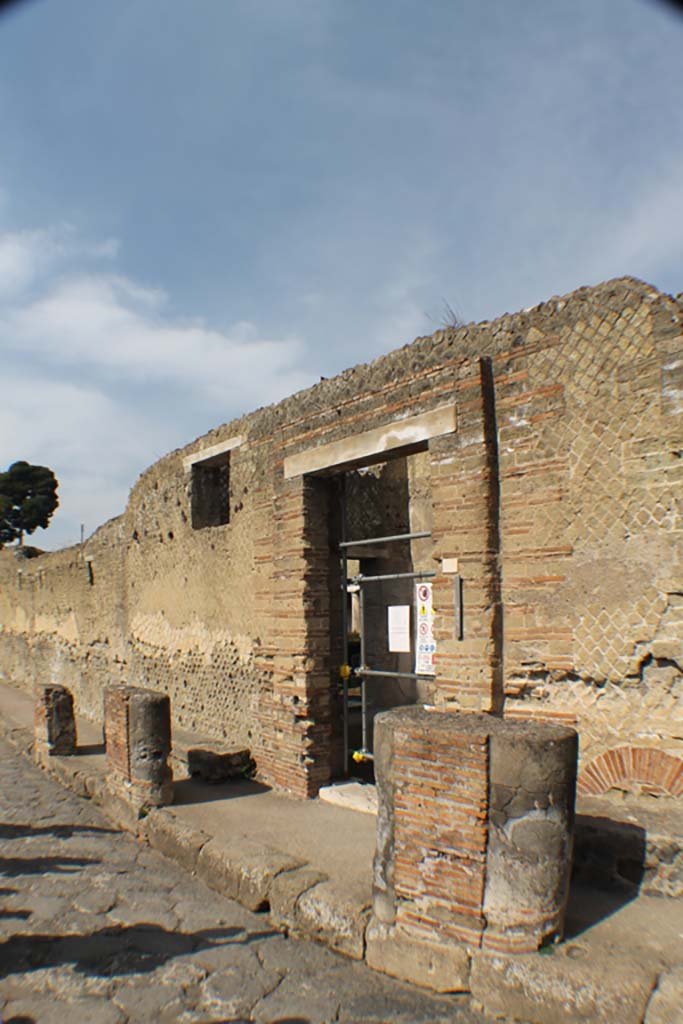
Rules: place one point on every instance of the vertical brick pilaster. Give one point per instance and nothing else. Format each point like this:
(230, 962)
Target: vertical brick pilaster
(465, 499)
(296, 714)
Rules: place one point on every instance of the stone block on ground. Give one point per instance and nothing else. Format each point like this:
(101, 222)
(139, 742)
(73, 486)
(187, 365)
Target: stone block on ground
(79, 782)
(356, 796)
(285, 890)
(666, 1003)
(443, 967)
(119, 807)
(215, 763)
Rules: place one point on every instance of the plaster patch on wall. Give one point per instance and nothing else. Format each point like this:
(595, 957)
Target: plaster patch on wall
(20, 620)
(63, 626)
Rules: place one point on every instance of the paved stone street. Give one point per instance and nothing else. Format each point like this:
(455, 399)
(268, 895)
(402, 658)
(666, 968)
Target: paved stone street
(97, 929)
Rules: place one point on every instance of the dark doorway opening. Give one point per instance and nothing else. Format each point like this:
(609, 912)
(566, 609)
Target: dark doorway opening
(384, 550)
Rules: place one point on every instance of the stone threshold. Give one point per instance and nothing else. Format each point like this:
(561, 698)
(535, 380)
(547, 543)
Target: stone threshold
(351, 794)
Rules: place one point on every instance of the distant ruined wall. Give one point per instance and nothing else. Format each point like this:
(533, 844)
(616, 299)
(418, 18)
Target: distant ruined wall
(558, 491)
(57, 626)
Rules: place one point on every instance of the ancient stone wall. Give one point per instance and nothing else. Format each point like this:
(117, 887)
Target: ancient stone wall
(63, 619)
(557, 489)
(192, 622)
(590, 432)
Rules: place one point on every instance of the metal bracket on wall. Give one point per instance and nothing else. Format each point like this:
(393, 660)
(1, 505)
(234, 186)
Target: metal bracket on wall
(457, 607)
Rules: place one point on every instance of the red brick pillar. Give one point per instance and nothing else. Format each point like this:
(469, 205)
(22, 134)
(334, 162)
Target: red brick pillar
(54, 723)
(474, 840)
(137, 729)
(295, 715)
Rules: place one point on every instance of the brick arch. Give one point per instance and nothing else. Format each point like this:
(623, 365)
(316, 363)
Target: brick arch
(630, 767)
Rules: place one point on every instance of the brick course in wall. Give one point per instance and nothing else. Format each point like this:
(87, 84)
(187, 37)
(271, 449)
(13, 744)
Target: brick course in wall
(559, 493)
(441, 808)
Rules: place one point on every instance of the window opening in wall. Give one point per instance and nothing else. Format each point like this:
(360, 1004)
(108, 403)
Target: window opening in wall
(210, 502)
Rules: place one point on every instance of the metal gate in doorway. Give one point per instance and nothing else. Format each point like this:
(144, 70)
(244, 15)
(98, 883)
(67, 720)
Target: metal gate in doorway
(368, 686)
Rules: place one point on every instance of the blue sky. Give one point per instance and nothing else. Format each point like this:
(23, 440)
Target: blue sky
(207, 206)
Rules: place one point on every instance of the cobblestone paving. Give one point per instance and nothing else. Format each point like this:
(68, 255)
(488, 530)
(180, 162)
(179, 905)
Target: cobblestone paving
(95, 928)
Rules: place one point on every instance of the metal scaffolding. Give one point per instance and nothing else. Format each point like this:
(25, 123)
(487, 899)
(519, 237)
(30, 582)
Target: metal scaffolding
(365, 673)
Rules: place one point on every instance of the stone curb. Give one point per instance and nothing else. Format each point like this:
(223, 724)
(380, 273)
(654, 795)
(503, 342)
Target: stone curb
(324, 912)
(664, 1006)
(242, 870)
(175, 840)
(555, 988)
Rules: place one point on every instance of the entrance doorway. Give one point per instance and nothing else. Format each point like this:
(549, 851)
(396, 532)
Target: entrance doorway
(385, 570)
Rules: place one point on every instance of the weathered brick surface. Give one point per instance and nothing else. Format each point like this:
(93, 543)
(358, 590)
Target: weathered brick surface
(440, 837)
(656, 772)
(54, 722)
(475, 823)
(117, 730)
(137, 731)
(558, 493)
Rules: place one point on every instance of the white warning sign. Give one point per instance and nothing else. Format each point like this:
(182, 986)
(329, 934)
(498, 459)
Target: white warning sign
(425, 645)
(399, 628)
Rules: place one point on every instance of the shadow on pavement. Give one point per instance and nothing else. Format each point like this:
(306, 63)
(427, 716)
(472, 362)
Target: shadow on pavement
(608, 869)
(58, 831)
(116, 951)
(193, 791)
(13, 867)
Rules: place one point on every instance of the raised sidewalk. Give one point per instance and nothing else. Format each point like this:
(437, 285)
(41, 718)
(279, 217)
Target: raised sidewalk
(308, 864)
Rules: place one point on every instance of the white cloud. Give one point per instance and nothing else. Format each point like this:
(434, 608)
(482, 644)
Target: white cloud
(110, 324)
(23, 254)
(27, 256)
(95, 444)
(80, 345)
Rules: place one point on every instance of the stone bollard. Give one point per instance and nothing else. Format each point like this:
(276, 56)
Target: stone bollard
(474, 841)
(54, 723)
(137, 731)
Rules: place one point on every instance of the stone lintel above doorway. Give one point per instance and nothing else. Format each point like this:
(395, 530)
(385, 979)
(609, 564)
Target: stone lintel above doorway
(397, 437)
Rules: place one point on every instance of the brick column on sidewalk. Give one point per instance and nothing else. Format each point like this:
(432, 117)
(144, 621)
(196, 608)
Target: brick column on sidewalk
(137, 728)
(54, 723)
(474, 840)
